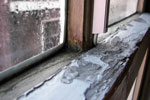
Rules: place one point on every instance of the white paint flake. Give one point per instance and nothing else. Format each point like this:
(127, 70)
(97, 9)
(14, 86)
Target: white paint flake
(56, 90)
(96, 60)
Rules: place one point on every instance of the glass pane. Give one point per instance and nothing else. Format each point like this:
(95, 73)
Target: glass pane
(119, 9)
(29, 28)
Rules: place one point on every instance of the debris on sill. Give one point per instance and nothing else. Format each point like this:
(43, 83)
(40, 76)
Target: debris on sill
(114, 29)
(92, 75)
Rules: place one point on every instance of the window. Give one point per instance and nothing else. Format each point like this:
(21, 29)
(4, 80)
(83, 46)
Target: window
(29, 28)
(120, 9)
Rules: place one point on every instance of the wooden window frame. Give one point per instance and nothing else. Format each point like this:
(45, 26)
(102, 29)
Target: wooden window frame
(81, 26)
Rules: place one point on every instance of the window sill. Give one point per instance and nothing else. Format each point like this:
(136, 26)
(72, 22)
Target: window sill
(20, 83)
(102, 72)
(99, 73)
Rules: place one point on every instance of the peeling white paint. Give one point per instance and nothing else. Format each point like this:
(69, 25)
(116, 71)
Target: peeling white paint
(95, 60)
(56, 90)
(74, 63)
(88, 80)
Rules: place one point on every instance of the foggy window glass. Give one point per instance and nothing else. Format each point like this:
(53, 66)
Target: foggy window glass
(120, 9)
(29, 28)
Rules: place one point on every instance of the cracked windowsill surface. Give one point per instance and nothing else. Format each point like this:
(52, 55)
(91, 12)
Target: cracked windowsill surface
(92, 75)
(38, 73)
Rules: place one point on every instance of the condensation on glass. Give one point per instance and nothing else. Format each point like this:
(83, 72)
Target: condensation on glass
(120, 9)
(29, 28)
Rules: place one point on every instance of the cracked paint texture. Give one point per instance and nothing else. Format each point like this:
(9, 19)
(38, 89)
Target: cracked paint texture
(92, 75)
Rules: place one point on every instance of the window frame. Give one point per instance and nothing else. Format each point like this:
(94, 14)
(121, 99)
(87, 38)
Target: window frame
(10, 72)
